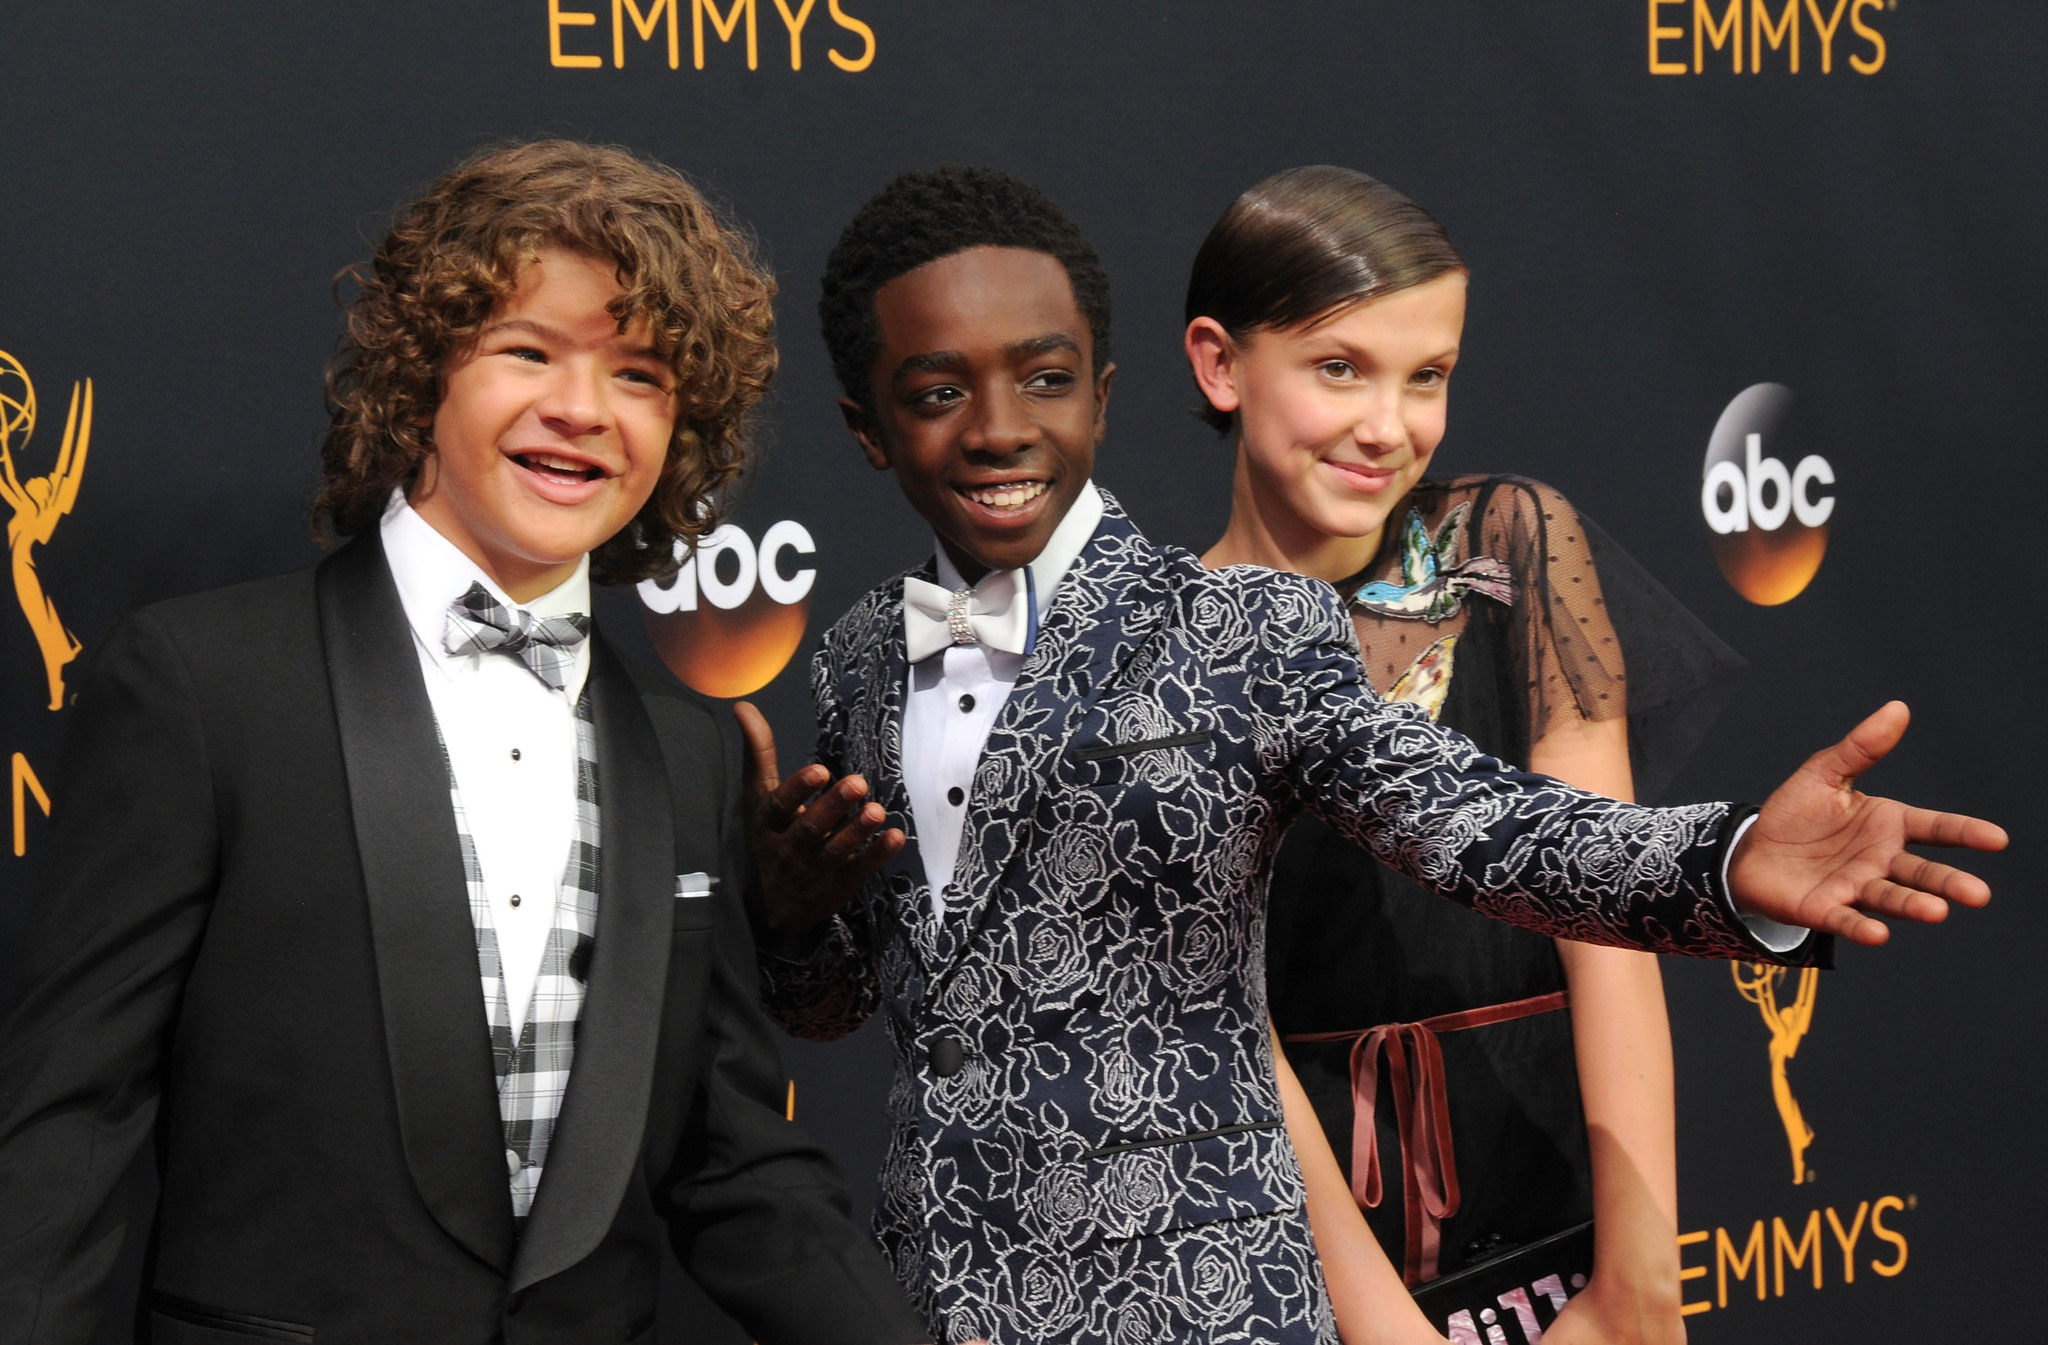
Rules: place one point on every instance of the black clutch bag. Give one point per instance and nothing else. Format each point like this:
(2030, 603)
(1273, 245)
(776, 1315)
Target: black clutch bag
(1511, 1298)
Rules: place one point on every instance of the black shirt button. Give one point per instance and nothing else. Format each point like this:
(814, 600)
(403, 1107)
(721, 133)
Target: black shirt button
(947, 1055)
(515, 754)
(956, 796)
(515, 898)
(966, 705)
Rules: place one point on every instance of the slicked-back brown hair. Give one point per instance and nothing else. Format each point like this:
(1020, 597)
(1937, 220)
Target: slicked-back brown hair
(1305, 244)
(455, 255)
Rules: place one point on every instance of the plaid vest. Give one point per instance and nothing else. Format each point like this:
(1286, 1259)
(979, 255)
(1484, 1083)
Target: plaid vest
(533, 1073)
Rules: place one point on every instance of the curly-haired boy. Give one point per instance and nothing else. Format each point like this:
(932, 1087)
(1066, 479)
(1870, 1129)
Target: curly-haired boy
(391, 904)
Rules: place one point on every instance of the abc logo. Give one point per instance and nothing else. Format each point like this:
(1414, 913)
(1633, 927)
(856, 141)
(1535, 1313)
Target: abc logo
(1769, 522)
(734, 613)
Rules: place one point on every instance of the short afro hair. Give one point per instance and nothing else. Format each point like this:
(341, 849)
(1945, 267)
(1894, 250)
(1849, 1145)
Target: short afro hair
(922, 217)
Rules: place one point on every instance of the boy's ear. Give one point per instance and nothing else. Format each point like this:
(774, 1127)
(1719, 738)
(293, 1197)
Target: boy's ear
(1102, 402)
(1213, 357)
(862, 422)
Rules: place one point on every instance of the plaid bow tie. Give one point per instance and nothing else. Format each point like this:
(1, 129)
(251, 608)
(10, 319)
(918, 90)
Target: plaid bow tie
(479, 624)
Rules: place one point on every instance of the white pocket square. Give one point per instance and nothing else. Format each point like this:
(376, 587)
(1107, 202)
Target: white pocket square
(694, 885)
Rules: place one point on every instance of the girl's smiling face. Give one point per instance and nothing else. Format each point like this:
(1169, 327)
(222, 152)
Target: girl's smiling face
(1336, 420)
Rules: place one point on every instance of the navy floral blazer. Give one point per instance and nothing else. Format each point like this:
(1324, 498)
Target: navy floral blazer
(1087, 1141)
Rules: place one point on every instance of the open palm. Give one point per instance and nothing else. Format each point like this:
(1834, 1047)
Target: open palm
(1827, 856)
(815, 839)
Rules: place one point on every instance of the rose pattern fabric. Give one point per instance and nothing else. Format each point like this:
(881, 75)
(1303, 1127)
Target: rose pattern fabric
(1108, 1164)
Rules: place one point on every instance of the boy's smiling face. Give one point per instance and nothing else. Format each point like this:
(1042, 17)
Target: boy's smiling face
(552, 429)
(986, 402)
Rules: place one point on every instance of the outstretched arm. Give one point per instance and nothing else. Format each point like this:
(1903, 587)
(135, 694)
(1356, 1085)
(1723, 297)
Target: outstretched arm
(1824, 855)
(1538, 853)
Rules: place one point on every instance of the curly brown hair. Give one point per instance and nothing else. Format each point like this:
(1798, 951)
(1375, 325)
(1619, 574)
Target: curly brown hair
(455, 255)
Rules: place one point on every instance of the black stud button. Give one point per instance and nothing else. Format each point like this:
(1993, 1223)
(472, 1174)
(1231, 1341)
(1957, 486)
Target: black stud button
(956, 796)
(947, 1055)
(515, 898)
(515, 754)
(966, 705)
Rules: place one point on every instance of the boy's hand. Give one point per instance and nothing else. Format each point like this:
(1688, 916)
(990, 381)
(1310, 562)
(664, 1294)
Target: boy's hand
(1825, 856)
(814, 841)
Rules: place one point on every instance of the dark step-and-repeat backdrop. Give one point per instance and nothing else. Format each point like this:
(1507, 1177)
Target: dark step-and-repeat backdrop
(1667, 206)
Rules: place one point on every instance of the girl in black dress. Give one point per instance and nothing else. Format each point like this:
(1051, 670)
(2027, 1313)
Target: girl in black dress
(1445, 1090)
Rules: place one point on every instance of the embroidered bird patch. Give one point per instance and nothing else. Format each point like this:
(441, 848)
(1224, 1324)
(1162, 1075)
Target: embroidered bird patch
(1434, 580)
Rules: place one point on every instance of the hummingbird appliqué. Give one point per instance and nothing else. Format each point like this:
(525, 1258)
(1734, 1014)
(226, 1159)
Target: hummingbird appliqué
(1434, 577)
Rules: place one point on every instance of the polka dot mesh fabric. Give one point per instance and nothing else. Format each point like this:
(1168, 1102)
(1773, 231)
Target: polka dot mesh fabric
(1562, 636)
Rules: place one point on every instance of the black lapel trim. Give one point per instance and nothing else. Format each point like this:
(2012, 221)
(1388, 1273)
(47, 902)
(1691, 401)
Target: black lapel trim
(425, 943)
(598, 1138)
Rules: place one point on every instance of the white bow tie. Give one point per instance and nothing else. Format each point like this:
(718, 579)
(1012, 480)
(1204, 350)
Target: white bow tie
(996, 613)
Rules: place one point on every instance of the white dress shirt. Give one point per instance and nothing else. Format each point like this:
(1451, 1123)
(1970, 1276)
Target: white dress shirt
(955, 696)
(511, 740)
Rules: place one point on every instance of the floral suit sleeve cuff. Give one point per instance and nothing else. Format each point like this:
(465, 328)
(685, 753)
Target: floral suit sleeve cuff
(1788, 945)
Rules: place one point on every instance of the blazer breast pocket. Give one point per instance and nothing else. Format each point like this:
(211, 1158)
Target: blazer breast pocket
(695, 909)
(1159, 761)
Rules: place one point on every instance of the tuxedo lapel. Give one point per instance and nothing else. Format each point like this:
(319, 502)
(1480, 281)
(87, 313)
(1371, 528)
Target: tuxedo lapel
(597, 1139)
(1107, 607)
(425, 943)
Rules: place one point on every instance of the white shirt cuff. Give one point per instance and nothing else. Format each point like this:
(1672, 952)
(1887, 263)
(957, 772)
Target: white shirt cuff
(1772, 934)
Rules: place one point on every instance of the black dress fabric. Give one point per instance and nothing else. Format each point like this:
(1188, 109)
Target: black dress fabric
(1498, 585)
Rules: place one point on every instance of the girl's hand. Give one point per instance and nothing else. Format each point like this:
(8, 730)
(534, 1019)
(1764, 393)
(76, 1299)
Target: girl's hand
(1606, 1312)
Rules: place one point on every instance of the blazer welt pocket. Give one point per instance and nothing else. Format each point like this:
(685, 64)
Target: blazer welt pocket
(1148, 1186)
(1104, 751)
(180, 1321)
(1127, 1146)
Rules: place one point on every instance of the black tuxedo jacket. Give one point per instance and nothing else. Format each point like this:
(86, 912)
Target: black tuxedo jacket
(251, 941)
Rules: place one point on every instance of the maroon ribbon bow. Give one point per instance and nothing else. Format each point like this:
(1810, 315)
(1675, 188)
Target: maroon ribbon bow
(1422, 1117)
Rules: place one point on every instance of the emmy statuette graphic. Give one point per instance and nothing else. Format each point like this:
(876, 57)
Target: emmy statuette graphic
(1759, 984)
(37, 504)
